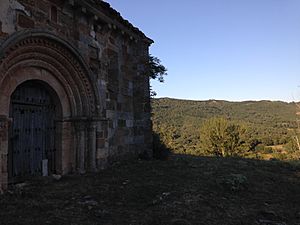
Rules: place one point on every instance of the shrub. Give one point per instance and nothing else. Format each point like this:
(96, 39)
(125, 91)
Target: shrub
(234, 182)
(160, 151)
(222, 137)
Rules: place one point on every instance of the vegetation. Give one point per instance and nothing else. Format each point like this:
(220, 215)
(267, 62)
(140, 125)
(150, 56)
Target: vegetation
(157, 70)
(261, 129)
(183, 190)
(221, 137)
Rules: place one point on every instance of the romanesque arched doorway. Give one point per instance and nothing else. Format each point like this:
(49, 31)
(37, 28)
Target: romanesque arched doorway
(44, 67)
(33, 140)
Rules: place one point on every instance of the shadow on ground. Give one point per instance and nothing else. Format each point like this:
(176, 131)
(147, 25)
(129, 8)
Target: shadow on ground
(180, 190)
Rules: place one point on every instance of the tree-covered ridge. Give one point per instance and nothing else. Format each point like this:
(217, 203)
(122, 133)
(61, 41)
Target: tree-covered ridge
(179, 122)
(268, 112)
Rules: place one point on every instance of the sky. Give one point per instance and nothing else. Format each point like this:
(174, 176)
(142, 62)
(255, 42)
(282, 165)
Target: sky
(232, 50)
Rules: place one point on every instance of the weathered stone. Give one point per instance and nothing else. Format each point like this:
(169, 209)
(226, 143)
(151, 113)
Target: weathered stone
(25, 22)
(87, 59)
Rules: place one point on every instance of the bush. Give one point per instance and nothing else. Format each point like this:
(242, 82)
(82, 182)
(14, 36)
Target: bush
(267, 150)
(222, 137)
(160, 151)
(267, 141)
(234, 182)
(291, 146)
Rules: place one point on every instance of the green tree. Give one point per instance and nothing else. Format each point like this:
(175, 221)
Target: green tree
(157, 71)
(221, 137)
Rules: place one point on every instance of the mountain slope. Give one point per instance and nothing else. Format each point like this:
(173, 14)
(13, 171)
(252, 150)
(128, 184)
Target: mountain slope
(178, 121)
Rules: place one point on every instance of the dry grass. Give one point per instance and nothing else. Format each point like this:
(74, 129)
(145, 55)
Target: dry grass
(182, 190)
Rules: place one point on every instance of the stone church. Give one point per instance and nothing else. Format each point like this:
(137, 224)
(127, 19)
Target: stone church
(74, 88)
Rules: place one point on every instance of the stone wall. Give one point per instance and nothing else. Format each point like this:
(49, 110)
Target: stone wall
(115, 54)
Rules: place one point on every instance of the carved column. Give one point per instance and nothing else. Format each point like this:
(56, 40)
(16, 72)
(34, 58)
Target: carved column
(102, 145)
(66, 142)
(81, 147)
(4, 130)
(92, 147)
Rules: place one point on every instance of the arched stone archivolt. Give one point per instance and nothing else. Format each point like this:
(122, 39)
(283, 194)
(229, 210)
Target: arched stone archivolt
(60, 58)
(31, 73)
(41, 56)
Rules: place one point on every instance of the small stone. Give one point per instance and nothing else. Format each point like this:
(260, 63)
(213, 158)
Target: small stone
(87, 197)
(180, 222)
(165, 194)
(21, 185)
(268, 214)
(102, 213)
(125, 182)
(89, 203)
(270, 222)
(56, 177)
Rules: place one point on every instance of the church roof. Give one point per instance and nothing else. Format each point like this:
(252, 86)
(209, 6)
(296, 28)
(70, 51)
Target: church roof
(113, 16)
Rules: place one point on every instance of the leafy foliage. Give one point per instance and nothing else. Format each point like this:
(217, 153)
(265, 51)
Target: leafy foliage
(221, 137)
(180, 123)
(156, 69)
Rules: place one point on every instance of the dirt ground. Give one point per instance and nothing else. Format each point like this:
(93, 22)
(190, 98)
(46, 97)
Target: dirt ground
(182, 190)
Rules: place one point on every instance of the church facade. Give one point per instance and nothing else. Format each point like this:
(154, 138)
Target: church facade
(74, 88)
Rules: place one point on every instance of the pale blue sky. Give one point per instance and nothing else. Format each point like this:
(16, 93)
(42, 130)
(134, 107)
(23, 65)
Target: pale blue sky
(222, 49)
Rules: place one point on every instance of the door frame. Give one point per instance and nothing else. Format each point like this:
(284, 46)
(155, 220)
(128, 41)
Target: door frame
(65, 138)
(36, 54)
(56, 117)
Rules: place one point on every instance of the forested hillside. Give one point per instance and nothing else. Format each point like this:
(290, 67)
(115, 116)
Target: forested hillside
(266, 123)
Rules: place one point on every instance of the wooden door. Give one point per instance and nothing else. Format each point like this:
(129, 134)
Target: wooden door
(33, 131)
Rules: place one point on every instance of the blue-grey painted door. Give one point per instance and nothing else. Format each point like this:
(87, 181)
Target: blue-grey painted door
(32, 134)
